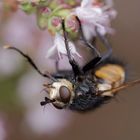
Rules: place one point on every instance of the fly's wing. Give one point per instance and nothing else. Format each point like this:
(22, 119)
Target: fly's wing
(124, 86)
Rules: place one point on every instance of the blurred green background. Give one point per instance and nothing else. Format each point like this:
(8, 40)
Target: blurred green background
(117, 120)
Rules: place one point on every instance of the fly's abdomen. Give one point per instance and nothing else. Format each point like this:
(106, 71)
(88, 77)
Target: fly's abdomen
(110, 76)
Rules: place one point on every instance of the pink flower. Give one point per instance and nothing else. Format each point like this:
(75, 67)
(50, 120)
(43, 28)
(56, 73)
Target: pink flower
(59, 49)
(94, 14)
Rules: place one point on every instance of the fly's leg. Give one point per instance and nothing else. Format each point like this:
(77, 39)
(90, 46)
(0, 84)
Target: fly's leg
(75, 67)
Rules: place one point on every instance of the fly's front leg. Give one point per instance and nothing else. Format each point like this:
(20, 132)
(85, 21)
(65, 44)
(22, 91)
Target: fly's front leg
(75, 67)
(98, 60)
(31, 62)
(88, 44)
(95, 60)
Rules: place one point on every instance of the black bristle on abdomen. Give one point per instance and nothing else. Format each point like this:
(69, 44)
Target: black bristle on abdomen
(87, 103)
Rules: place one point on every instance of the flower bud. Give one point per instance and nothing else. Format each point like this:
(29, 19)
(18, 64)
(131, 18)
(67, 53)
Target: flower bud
(71, 24)
(28, 7)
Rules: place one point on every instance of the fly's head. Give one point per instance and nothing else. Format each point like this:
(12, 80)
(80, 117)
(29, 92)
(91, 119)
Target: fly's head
(60, 93)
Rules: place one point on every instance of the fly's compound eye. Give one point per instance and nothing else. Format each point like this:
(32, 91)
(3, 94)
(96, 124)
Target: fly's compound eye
(61, 93)
(65, 94)
(63, 97)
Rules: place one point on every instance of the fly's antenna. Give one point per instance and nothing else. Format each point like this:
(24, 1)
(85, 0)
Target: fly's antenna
(124, 86)
(47, 75)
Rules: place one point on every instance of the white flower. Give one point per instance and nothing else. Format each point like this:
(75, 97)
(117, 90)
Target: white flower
(59, 49)
(95, 14)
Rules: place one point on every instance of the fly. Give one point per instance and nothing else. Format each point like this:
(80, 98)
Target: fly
(88, 87)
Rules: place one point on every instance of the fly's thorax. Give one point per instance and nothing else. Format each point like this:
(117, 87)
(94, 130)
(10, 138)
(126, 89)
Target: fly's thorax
(110, 76)
(61, 93)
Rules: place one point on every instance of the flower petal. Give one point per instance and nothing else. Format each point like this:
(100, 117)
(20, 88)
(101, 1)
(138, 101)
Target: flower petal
(86, 3)
(92, 16)
(59, 48)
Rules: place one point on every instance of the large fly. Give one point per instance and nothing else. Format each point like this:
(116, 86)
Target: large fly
(84, 88)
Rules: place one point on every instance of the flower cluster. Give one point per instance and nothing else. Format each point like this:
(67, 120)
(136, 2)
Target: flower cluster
(50, 12)
(93, 14)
